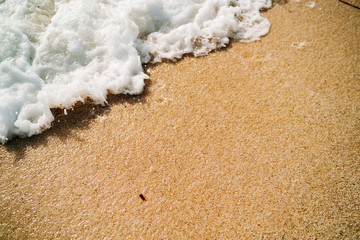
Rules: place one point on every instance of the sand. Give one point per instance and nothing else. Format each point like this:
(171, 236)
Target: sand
(256, 141)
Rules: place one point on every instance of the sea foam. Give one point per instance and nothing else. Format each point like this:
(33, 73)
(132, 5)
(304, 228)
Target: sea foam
(54, 53)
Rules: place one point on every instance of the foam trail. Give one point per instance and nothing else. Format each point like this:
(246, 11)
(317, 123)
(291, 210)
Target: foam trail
(54, 53)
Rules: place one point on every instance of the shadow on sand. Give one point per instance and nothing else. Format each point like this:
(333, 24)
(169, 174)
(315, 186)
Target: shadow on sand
(78, 118)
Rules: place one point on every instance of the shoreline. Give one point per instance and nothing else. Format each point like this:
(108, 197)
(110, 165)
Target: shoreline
(257, 140)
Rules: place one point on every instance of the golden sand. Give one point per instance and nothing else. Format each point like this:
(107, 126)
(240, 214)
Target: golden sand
(260, 140)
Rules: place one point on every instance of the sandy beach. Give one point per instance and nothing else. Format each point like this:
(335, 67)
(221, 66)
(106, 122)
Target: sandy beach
(260, 140)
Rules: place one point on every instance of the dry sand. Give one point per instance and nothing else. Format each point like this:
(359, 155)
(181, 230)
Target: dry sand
(260, 140)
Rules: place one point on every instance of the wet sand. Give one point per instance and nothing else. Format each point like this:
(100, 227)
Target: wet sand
(260, 140)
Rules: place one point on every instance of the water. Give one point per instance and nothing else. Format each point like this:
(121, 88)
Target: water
(54, 53)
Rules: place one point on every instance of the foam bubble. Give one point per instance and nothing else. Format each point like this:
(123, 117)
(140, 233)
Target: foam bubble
(56, 53)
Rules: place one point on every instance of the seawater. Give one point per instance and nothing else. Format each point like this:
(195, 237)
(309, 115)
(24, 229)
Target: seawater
(54, 53)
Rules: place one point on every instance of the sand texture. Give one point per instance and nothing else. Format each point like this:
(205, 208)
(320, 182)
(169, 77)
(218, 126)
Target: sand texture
(257, 141)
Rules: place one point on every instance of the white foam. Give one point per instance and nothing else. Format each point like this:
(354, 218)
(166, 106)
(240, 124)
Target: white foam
(56, 53)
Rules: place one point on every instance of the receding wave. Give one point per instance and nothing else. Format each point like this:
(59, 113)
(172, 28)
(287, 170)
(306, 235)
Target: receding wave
(54, 53)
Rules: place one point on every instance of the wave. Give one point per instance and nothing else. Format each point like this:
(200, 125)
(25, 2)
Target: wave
(55, 53)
